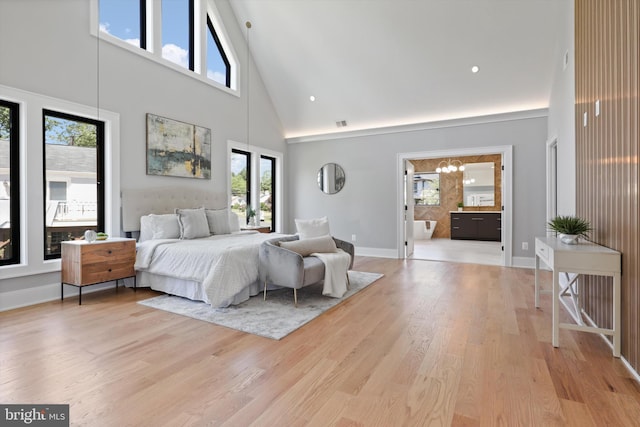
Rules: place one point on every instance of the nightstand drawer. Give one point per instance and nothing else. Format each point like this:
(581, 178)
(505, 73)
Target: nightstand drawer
(108, 252)
(99, 272)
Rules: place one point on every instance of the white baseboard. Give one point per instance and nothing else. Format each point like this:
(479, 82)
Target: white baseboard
(39, 294)
(523, 262)
(376, 252)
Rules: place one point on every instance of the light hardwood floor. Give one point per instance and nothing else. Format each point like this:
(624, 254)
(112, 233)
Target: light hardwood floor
(431, 343)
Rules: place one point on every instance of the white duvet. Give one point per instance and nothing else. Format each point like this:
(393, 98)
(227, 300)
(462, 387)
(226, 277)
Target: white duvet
(224, 264)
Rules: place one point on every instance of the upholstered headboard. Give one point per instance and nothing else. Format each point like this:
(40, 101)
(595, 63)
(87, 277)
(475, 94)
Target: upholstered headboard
(145, 201)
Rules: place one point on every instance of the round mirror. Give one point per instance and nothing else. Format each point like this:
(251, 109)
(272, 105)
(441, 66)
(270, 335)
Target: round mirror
(331, 178)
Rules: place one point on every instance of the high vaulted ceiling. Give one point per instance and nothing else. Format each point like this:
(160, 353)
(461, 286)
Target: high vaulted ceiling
(376, 63)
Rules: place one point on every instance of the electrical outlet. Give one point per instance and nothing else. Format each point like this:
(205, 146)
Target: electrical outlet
(525, 246)
(353, 237)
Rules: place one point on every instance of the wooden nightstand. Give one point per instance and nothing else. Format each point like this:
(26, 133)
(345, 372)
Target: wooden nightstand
(85, 263)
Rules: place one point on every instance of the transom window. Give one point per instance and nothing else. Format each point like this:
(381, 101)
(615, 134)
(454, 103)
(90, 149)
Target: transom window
(218, 67)
(124, 19)
(181, 22)
(177, 32)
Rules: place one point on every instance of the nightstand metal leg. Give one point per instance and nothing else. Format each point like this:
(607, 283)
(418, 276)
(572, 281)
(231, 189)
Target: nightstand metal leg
(79, 295)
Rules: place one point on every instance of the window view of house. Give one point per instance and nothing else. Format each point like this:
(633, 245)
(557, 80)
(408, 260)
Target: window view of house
(73, 195)
(9, 202)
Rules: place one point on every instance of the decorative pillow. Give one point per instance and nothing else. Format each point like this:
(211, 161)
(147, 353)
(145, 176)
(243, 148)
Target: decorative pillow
(193, 223)
(308, 246)
(309, 228)
(234, 222)
(164, 226)
(218, 221)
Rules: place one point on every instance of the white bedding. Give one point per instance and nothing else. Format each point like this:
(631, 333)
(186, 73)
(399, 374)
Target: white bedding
(225, 265)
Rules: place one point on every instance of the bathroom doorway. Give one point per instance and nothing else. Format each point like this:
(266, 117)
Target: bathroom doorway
(446, 178)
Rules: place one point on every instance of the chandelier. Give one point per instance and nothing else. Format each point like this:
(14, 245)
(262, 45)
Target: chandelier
(447, 166)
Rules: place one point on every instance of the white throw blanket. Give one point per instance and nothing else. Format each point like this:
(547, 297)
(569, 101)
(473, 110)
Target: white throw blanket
(336, 265)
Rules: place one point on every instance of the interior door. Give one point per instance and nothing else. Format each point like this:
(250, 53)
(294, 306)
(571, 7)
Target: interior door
(409, 202)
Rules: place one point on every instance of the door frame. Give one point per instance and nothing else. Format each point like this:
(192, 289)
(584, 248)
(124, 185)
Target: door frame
(552, 180)
(507, 191)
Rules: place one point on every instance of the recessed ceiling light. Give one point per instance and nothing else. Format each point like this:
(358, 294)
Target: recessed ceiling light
(312, 98)
(475, 69)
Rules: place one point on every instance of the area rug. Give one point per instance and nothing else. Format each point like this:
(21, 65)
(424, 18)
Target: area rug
(274, 318)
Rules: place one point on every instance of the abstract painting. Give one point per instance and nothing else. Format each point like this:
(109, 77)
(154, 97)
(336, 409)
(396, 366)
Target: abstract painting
(176, 148)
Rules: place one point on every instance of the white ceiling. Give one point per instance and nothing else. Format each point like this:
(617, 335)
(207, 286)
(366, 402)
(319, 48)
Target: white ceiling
(378, 63)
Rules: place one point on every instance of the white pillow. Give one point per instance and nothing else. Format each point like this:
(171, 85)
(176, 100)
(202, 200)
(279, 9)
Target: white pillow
(309, 228)
(164, 226)
(218, 221)
(306, 247)
(146, 230)
(234, 221)
(193, 223)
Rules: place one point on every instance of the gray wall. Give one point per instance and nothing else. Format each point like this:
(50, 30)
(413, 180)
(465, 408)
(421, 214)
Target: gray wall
(46, 48)
(367, 206)
(562, 113)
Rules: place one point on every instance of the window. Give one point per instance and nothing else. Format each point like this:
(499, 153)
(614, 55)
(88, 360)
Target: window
(240, 187)
(218, 67)
(267, 191)
(255, 183)
(9, 191)
(124, 19)
(73, 176)
(175, 38)
(426, 189)
(57, 191)
(177, 32)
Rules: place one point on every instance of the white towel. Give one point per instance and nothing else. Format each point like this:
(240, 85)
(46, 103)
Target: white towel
(336, 265)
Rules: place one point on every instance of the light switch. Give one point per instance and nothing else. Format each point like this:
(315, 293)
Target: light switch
(597, 108)
(584, 119)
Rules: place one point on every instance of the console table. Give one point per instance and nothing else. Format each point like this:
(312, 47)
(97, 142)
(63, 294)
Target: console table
(583, 258)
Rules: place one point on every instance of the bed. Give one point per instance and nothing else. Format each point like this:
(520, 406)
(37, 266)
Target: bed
(178, 254)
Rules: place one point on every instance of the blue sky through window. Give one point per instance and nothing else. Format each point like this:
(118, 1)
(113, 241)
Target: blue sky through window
(175, 31)
(216, 68)
(121, 18)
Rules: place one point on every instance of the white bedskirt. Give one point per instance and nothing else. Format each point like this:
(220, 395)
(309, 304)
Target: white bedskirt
(188, 288)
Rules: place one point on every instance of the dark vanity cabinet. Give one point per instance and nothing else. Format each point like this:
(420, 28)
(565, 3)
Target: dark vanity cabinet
(476, 226)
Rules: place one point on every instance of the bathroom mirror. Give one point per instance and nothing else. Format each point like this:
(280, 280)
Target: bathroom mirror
(478, 183)
(331, 178)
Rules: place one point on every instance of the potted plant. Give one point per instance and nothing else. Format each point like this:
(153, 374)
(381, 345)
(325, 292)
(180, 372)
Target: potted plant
(460, 206)
(570, 228)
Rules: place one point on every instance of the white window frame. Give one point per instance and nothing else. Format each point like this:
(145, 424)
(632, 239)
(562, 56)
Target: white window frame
(153, 50)
(256, 152)
(31, 104)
